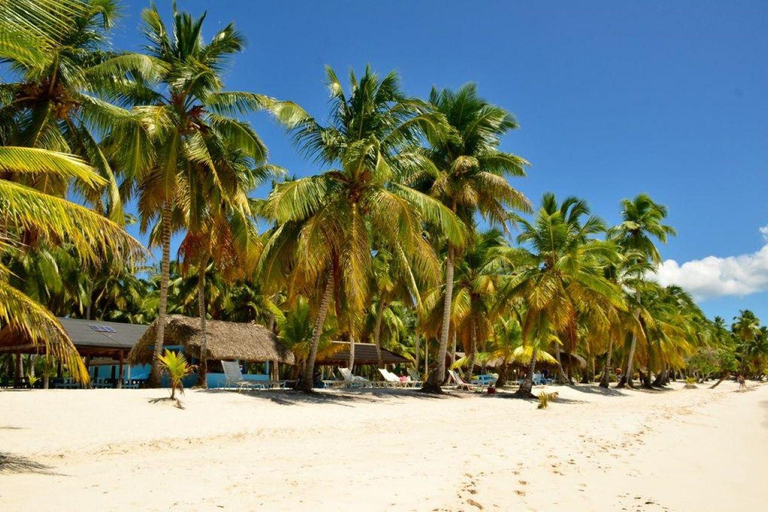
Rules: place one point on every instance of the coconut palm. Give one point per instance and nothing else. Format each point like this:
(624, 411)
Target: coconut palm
(746, 327)
(469, 177)
(641, 223)
(180, 156)
(326, 224)
(559, 272)
(58, 99)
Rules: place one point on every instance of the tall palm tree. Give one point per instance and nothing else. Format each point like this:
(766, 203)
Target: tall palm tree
(469, 177)
(179, 157)
(559, 272)
(746, 326)
(326, 224)
(641, 223)
(475, 285)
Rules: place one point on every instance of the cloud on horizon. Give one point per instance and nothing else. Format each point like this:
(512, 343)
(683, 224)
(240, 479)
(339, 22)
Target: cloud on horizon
(714, 276)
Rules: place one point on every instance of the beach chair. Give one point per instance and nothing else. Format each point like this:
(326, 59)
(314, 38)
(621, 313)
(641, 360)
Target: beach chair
(415, 377)
(393, 381)
(354, 381)
(485, 380)
(460, 384)
(235, 377)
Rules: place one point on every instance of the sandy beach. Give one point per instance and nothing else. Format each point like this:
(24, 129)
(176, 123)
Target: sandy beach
(384, 450)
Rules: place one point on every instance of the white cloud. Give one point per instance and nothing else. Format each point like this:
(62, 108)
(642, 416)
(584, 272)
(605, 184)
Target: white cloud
(716, 277)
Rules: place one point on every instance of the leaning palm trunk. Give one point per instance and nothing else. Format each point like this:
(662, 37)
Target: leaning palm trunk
(437, 377)
(202, 376)
(472, 351)
(165, 269)
(606, 377)
(527, 385)
(377, 333)
(305, 383)
(563, 378)
(724, 376)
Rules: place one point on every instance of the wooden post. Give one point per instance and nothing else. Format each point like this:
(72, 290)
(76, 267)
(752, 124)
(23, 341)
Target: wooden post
(19, 371)
(120, 373)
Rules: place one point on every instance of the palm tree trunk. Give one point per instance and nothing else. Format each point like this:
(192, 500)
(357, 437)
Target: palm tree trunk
(436, 378)
(724, 376)
(90, 298)
(306, 380)
(605, 379)
(563, 378)
(472, 351)
(453, 346)
(527, 384)
(418, 352)
(351, 363)
(165, 270)
(627, 380)
(377, 332)
(202, 373)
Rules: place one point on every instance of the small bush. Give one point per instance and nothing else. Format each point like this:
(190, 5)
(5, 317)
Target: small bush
(545, 398)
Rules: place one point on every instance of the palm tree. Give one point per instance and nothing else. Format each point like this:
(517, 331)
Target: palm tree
(746, 326)
(51, 218)
(475, 285)
(326, 224)
(180, 156)
(641, 224)
(558, 273)
(469, 177)
(58, 102)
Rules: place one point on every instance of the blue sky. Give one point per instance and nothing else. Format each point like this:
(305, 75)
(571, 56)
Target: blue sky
(613, 99)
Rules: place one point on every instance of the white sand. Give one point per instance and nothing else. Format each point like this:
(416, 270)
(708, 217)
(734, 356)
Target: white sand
(680, 449)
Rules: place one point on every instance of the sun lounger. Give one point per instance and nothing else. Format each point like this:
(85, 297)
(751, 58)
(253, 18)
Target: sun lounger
(459, 382)
(393, 381)
(235, 377)
(415, 377)
(354, 381)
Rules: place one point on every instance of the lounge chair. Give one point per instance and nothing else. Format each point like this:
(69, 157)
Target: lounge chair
(485, 380)
(460, 384)
(415, 377)
(393, 381)
(354, 381)
(235, 377)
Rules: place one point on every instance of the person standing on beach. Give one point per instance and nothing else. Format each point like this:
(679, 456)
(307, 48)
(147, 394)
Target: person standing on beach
(742, 382)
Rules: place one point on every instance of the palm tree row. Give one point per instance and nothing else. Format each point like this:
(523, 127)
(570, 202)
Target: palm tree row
(405, 236)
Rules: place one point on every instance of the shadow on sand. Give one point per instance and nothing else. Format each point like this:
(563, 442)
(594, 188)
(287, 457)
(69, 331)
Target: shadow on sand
(343, 397)
(597, 390)
(11, 464)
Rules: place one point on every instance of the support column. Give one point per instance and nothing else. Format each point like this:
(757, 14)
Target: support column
(120, 373)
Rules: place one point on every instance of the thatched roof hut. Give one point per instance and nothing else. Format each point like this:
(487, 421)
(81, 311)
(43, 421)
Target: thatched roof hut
(225, 340)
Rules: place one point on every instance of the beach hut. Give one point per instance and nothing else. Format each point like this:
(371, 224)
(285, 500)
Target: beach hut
(225, 341)
(103, 345)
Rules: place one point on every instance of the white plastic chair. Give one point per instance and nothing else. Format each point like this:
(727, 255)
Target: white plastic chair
(235, 376)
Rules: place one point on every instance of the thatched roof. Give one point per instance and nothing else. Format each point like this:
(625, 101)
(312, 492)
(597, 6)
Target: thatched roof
(522, 357)
(224, 340)
(365, 353)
